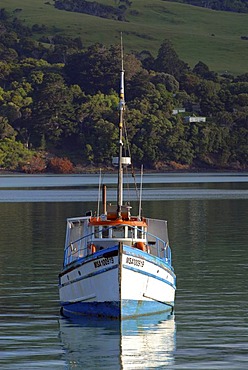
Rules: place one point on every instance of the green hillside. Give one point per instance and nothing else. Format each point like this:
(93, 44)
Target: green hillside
(213, 37)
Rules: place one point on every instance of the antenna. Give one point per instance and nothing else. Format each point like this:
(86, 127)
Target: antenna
(122, 101)
(141, 184)
(121, 108)
(99, 191)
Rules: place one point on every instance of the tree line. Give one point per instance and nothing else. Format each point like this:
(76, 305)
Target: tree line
(92, 8)
(239, 6)
(61, 100)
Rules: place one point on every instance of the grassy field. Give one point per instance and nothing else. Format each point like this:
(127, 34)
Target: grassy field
(196, 33)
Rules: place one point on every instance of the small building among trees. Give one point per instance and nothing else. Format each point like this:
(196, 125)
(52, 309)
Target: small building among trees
(189, 119)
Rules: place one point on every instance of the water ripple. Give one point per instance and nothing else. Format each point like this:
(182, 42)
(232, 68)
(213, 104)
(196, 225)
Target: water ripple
(73, 195)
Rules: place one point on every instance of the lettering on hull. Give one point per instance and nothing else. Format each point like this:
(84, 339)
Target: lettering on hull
(104, 262)
(135, 262)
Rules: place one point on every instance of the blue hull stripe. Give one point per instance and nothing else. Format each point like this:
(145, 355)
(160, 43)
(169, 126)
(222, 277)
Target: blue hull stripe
(89, 275)
(128, 309)
(115, 267)
(101, 309)
(141, 272)
(84, 260)
(129, 251)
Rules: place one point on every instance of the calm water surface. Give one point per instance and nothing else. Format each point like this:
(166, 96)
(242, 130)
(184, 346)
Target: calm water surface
(207, 215)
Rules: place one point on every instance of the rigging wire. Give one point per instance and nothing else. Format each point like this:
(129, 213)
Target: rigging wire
(126, 153)
(124, 133)
(129, 154)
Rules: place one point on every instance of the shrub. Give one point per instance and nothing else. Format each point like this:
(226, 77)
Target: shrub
(178, 166)
(35, 165)
(60, 165)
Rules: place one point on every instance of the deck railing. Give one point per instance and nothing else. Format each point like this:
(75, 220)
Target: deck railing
(81, 247)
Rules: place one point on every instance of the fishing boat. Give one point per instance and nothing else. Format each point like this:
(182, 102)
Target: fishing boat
(117, 265)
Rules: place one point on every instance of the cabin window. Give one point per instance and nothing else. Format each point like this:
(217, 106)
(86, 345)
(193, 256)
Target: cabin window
(140, 233)
(131, 233)
(96, 232)
(144, 233)
(118, 232)
(105, 232)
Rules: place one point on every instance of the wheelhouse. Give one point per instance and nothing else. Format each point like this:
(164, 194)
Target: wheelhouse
(89, 235)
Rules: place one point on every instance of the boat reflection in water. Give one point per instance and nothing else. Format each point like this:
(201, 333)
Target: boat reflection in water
(142, 343)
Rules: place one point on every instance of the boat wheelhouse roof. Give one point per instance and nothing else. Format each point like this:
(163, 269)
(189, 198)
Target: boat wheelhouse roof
(133, 221)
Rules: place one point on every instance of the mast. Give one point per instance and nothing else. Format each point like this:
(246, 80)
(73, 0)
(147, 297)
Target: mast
(120, 168)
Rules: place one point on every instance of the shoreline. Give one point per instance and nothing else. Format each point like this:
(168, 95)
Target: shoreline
(95, 171)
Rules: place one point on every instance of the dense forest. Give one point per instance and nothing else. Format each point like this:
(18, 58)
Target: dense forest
(119, 9)
(240, 6)
(92, 8)
(59, 106)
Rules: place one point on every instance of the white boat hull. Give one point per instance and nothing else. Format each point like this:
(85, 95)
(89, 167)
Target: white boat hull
(120, 282)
